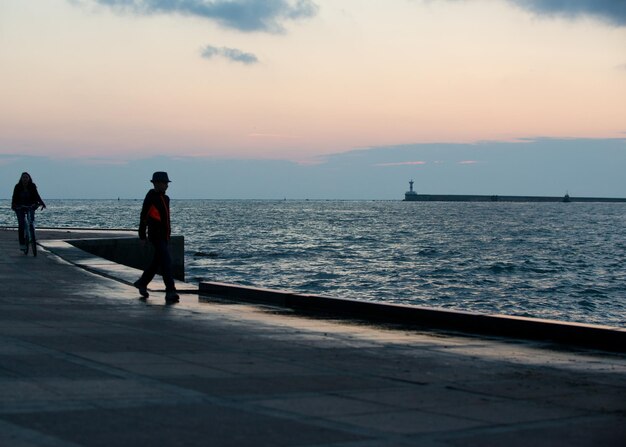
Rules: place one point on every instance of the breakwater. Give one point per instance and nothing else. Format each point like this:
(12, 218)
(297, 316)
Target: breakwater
(497, 198)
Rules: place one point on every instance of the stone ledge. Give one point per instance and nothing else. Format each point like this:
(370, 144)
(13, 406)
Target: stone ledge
(132, 252)
(574, 334)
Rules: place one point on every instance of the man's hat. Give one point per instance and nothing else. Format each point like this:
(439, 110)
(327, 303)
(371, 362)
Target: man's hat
(160, 176)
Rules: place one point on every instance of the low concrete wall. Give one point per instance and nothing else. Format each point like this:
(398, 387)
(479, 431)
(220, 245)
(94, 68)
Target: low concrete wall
(132, 252)
(577, 334)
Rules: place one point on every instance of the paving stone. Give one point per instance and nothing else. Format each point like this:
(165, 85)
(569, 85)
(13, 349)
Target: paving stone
(34, 366)
(409, 422)
(178, 425)
(323, 406)
(577, 432)
(83, 361)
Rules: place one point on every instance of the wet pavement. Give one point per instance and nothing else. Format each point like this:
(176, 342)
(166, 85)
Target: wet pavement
(84, 361)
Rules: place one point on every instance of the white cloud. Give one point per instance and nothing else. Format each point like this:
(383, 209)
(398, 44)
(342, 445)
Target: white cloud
(243, 15)
(232, 54)
(611, 11)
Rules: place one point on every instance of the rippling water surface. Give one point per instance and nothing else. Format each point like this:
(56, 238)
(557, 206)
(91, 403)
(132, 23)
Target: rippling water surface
(548, 260)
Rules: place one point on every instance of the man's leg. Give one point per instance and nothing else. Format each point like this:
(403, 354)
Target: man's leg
(163, 248)
(165, 262)
(148, 274)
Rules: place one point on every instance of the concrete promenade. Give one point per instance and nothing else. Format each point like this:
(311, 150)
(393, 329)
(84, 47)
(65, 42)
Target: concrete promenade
(85, 362)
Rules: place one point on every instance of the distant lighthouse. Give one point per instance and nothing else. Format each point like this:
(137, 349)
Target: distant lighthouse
(410, 194)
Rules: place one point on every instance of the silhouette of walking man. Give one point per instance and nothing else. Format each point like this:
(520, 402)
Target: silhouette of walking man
(155, 217)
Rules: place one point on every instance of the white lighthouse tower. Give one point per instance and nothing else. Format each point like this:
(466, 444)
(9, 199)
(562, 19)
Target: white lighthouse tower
(410, 194)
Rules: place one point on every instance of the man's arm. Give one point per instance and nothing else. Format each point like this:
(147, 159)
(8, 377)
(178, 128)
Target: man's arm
(143, 221)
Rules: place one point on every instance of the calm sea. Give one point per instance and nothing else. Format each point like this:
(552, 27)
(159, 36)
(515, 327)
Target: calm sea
(564, 261)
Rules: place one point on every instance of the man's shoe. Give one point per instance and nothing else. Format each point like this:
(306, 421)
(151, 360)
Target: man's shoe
(172, 297)
(23, 247)
(143, 291)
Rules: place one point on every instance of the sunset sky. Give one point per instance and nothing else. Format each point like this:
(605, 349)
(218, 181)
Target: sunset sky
(116, 81)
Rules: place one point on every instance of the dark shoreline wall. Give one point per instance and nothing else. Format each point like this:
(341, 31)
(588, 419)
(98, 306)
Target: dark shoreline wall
(495, 198)
(575, 334)
(132, 252)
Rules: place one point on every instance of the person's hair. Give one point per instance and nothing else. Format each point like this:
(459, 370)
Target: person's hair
(30, 179)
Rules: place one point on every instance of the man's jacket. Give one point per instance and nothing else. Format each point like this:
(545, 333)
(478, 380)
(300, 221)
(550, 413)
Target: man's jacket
(155, 216)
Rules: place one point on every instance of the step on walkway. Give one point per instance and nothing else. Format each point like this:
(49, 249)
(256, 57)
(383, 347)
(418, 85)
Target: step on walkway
(84, 361)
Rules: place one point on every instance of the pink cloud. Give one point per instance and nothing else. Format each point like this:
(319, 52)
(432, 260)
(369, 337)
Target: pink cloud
(468, 162)
(103, 162)
(272, 135)
(402, 163)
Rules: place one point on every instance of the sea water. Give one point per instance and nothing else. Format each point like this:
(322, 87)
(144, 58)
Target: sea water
(563, 261)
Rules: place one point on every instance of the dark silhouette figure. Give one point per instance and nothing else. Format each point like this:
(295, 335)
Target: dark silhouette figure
(25, 194)
(155, 218)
